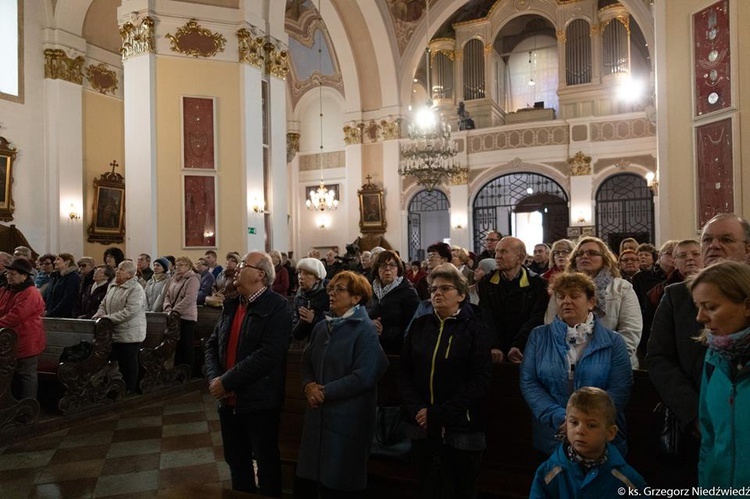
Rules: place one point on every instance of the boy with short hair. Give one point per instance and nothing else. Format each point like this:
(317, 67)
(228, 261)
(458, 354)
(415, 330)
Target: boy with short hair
(586, 464)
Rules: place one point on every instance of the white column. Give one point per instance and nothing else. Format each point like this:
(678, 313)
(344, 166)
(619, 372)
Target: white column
(252, 141)
(392, 193)
(459, 214)
(141, 216)
(63, 102)
(279, 202)
(348, 210)
(581, 200)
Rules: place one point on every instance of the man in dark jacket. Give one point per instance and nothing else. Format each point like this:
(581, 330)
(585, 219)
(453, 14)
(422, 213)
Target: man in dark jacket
(245, 366)
(513, 301)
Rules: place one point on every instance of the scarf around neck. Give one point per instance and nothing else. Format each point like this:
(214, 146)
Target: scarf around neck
(581, 333)
(602, 280)
(380, 291)
(333, 320)
(584, 462)
(733, 347)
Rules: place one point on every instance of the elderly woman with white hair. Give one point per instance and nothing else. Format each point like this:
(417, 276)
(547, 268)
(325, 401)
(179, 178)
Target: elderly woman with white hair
(311, 301)
(125, 305)
(484, 267)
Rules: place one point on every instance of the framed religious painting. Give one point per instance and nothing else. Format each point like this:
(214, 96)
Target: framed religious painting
(199, 211)
(713, 59)
(7, 158)
(371, 208)
(108, 219)
(716, 173)
(198, 133)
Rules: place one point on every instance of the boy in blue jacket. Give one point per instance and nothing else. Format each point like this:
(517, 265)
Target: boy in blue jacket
(586, 464)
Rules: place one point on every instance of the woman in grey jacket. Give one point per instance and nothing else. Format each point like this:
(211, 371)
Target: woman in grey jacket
(125, 305)
(182, 297)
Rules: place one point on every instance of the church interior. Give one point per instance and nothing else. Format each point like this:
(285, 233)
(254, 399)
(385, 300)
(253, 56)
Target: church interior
(180, 126)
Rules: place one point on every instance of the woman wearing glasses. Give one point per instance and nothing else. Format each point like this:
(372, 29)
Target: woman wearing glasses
(182, 297)
(560, 252)
(617, 305)
(393, 301)
(444, 383)
(340, 369)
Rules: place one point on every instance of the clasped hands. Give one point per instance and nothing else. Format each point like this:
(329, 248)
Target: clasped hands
(216, 388)
(315, 394)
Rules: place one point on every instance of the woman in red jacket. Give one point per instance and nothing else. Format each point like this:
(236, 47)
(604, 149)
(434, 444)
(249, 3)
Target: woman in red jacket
(21, 308)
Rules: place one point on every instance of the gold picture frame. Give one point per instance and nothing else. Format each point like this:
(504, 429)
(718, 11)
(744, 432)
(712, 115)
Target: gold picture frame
(371, 208)
(108, 218)
(7, 158)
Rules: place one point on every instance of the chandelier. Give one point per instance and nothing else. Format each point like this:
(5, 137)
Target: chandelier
(430, 154)
(321, 199)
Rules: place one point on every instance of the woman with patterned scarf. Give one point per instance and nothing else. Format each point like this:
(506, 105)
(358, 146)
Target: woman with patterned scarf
(616, 302)
(574, 351)
(393, 302)
(722, 295)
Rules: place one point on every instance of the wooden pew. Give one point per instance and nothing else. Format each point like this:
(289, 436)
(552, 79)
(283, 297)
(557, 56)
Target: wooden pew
(91, 381)
(510, 461)
(156, 356)
(13, 413)
(207, 319)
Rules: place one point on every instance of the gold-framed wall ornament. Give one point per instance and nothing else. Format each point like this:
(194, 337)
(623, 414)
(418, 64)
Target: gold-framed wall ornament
(196, 41)
(580, 164)
(108, 220)
(101, 78)
(7, 159)
(250, 48)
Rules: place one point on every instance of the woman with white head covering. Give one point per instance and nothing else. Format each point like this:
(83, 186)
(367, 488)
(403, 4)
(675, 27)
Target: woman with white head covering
(311, 300)
(484, 267)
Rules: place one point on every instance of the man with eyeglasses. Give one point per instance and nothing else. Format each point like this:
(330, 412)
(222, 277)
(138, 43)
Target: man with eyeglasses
(512, 299)
(437, 254)
(675, 359)
(490, 243)
(628, 263)
(245, 366)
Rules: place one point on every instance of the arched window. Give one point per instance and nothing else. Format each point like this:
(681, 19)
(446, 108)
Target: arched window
(578, 53)
(624, 208)
(11, 53)
(429, 221)
(474, 70)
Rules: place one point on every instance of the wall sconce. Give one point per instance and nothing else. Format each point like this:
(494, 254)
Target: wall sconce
(459, 227)
(74, 215)
(652, 183)
(258, 206)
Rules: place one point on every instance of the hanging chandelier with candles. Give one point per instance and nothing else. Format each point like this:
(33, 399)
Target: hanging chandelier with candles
(430, 154)
(322, 198)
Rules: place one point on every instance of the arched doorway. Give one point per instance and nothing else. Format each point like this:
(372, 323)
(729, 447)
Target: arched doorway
(429, 221)
(499, 201)
(624, 208)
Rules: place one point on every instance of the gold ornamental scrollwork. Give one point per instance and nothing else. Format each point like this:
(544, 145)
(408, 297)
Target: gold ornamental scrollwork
(58, 66)
(102, 79)
(138, 39)
(196, 41)
(353, 133)
(277, 61)
(460, 178)
(561, 37)
(391, 129)
(292, 145)
(250, 48)
(580, 164)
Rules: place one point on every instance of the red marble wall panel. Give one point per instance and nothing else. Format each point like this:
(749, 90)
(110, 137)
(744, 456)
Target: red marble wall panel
(713, 85)
(715, 169)
(198, 133)
(200, 211)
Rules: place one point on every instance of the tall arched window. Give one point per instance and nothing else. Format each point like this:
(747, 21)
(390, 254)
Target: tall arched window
(474, 70)
(624, 208)
(577, 53)
(429, 221)
(11, 53)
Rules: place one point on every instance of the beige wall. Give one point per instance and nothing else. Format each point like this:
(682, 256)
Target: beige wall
(676, 125)
(103, 141)
(177, 77)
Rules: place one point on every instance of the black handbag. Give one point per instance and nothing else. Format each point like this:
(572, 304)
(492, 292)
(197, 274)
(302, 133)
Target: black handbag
(669, 441)
(77, 352)
(391, 438)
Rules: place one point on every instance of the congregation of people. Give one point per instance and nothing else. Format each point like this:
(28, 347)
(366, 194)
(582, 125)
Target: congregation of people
(576, 317)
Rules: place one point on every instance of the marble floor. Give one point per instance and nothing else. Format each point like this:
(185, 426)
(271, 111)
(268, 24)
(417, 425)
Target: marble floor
(137, 453)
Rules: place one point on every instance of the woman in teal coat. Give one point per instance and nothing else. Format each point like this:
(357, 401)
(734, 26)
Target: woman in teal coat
(722, 294)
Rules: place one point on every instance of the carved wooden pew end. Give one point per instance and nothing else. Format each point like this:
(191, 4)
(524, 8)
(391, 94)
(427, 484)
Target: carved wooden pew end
(13, 413)
(157, 355)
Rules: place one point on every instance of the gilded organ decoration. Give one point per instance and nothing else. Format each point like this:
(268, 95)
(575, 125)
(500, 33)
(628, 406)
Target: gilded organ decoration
(196, 41)
(138, 39)
(250, 48)
(277, 61)
(58, 66)
(102, 79)
(580, 164)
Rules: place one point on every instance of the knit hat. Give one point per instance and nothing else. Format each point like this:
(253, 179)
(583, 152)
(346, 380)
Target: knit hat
(488, 265)
(20, 265)
(312, 265)
(163, 262)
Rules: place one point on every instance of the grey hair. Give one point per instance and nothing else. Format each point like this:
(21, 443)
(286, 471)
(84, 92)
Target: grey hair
(128, 266)
(449, 272)
(266, 265)
(731, 216)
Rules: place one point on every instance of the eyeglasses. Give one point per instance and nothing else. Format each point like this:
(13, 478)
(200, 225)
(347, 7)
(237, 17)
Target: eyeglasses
(390, 265)
(432, 256)
(334, 290)
(629, 260)
(243, 265)
(589, 253)
(561, 253)
(444, 288)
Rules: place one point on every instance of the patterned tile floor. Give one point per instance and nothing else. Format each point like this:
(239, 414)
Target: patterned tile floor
(133, 454)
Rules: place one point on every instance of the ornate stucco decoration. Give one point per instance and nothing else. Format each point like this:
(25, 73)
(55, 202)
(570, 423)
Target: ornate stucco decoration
(196, 41)
(137, 40)
(373, 132)
(561, 37)
(277, 60)
(292, 145)
(544, 135)
(391, 128)
(58, 66)
(635, 128)
(250, 48)
(462, 178)
(353, 133)
(326, 160)
(102, 79)
(515, 164)
(580, 164)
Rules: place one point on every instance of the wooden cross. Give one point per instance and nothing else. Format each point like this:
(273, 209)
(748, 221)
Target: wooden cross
(368, 179)
(114, 165)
